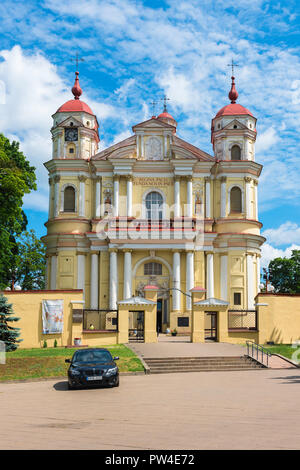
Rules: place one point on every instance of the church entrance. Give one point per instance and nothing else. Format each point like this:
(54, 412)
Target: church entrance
(136, 323)
(211, 333)
(159, 315)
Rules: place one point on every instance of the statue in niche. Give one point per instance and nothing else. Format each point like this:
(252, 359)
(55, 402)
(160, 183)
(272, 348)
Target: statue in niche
(154, 149)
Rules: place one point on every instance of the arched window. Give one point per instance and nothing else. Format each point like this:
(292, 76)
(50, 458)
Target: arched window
(235, 200)
(69, 199)
(152, 269)
(154, 206)
(235, 152)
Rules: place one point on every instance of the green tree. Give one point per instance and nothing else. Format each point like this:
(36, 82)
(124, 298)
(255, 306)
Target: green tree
(8, 334)
(17, 178)
(284, 273)
(27, 267)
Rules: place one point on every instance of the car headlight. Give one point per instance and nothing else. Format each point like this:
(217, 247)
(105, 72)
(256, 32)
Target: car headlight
(111, 371)
(74, 372)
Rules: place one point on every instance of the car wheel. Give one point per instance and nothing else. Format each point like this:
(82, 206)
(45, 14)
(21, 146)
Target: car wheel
(117, 382)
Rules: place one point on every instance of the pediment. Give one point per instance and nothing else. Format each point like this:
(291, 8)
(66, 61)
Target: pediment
(184, 150)
(66, 122)
(152, 123)
(236, 123)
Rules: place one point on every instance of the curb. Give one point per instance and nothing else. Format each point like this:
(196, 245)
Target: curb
(64, 377)
(145, 365)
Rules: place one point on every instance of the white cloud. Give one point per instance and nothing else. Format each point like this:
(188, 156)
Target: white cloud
(267, 139)
(268, 253)
(287, 233)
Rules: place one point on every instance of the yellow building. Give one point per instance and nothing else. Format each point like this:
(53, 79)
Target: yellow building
(154, 210)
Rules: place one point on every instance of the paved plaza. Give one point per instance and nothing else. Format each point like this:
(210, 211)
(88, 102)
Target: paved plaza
(256, 409)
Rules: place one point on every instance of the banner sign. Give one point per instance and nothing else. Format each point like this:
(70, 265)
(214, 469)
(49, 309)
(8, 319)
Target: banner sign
(53, 316)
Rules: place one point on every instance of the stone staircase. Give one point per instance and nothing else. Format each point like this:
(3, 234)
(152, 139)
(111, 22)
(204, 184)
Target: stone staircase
(200, 364)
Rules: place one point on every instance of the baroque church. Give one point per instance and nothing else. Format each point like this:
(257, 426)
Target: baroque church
(155, 210)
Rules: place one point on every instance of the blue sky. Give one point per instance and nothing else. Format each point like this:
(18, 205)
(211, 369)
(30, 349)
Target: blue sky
(136, 51)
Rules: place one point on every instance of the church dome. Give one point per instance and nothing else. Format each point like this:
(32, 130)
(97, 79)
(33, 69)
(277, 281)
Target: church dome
(166, 117)
(233, 109)
(75, 105)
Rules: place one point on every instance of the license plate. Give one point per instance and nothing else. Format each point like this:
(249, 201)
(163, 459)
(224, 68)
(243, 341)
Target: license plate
(94, 377)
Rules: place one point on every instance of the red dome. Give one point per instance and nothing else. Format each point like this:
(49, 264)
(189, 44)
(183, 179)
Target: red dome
(166, 116)
(75, 106)
(233, 109)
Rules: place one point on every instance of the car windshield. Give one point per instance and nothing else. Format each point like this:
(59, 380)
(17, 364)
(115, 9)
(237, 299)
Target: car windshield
(92, 356)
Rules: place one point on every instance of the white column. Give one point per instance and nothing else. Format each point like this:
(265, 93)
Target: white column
(223, 196)
(250, 282)
(142, 145)
(257, 273)
(189, 197)
(127, 293)
(82, 195)
(94, 280)
(177, 197)
(137, 145)
(224, 282)
(53, 272)
(98, 199)
(47, 273)
(129, 197)
(80, 271)
(56, 195)
(50, 198)
(189, 277)
(176, 281)
(248, 198)
(113, 280)
(207, 199)
(210, 275)
(255, 199)
(116, 197)
(165, 144)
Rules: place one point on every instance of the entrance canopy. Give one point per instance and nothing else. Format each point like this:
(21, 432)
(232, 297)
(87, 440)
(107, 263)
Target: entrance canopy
(136, 301)
(217, 304)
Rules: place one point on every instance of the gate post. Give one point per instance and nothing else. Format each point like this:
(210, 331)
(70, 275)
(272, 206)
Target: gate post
(150, 333)
(123, 324)
(198, 315)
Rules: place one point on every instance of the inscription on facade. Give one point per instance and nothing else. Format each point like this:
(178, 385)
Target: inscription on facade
(152, 181)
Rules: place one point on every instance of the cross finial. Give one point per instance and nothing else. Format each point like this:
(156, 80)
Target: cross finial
(77, 60)
(232, 65)
(153, 104)
(165, 99)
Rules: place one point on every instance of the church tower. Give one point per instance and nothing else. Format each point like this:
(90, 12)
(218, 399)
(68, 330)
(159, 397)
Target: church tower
(233, 132)
(75, 128)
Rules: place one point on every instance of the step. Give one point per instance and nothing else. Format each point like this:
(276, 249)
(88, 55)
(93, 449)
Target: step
(207, 366)
(188, 361)
(180, 371)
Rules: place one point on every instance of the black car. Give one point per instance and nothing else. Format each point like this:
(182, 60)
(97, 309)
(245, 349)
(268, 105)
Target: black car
(93, 366)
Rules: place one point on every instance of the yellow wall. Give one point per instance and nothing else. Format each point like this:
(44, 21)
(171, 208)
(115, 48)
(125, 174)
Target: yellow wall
(279, 321)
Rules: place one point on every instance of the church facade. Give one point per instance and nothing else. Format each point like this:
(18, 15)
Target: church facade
(154, 210)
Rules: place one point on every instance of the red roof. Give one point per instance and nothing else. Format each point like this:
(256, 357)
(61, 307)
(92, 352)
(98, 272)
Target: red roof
(75, 106)
(233, 109)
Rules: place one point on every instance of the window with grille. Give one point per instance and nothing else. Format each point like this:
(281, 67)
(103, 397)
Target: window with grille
(154, 206)
(69, 199)
(235, 153)
(152, 268)
(237, 298)
(235, 200)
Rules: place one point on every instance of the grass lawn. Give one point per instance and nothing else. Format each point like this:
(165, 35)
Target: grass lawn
(50, 362)
(285, 350)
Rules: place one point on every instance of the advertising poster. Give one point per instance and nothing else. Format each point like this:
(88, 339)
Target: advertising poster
(53, 319)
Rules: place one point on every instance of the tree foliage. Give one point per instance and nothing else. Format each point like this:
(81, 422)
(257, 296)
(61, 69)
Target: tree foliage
(28, 265)
(8, 334)
(284, 273)
(17, 178)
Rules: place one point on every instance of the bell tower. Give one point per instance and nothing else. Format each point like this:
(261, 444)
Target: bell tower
(75, 128)
(233, 130)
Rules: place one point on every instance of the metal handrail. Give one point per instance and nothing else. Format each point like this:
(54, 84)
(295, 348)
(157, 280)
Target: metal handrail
(254, 349)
